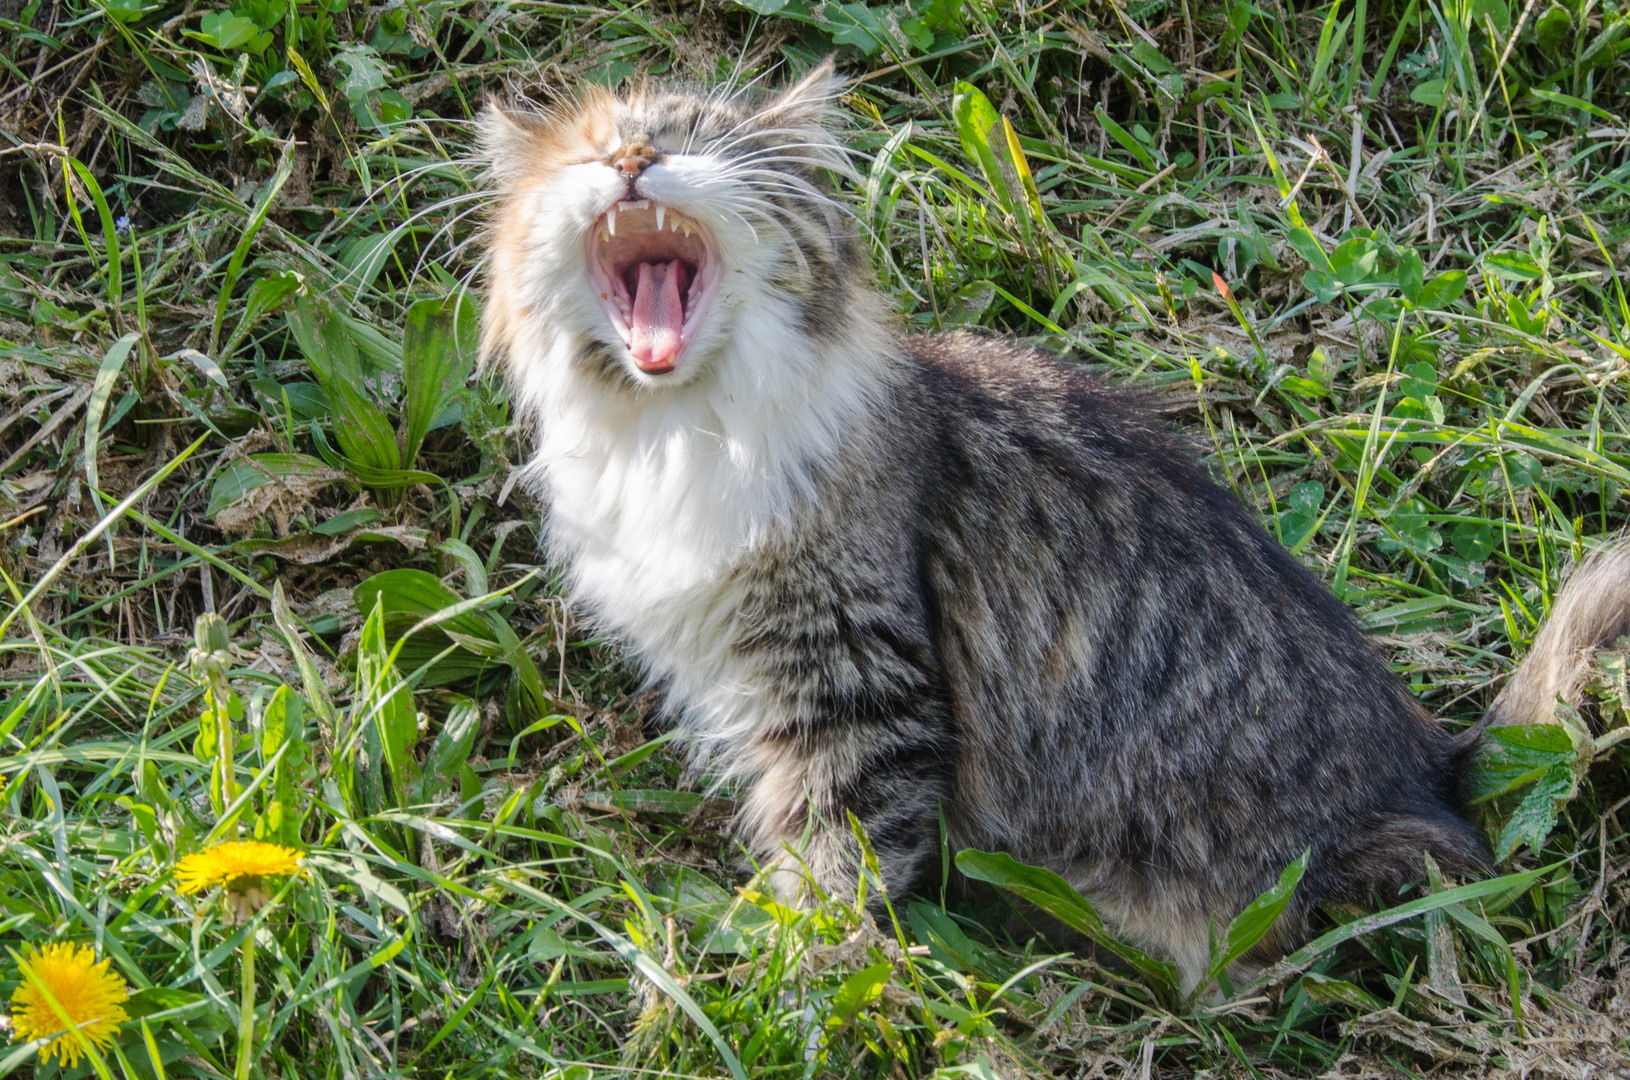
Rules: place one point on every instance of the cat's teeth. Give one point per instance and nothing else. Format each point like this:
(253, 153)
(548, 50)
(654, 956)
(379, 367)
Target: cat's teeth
(604, 236)
(686, 229)
(662, 212)
(611, 221)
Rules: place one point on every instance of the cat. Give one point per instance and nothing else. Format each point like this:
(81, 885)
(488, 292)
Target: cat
(936, 577)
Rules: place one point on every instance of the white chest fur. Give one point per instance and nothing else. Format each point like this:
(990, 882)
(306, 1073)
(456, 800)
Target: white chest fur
(657, 500)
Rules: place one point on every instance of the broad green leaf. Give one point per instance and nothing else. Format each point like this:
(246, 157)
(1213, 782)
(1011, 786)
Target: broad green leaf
(382, 479)
(1252, 924)
(450, 748)
(1429, 93)
(106, 374)
(1152, 58)
(949, 945)
(1356, 260)
(324, 342)
(858, 990)
(1531, 823)
(976, 120)
(406, 597)
(224, 30)
(365, 72)
(1305, 387)
(1513, 266)
(365, 256)
(1495, 11)
(1308, 247)
(362, 429)
(438, 353)
(475, 571)
(1412, 530)
(1341, 992)
(1539, 757)
(1060, 899)
(301, 401)
(1442, 290)
(1127, 140)
(1474, 540)
(1411, 274)
(1324, 286)
(1420, 381)
(1552, 27)
(345, 521)
(243, 476)
(281, 725)
(386, 708)
(1301, 509)
(857, 25)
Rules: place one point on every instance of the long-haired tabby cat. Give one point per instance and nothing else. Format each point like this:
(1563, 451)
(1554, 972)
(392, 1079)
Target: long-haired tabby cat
(915, 576)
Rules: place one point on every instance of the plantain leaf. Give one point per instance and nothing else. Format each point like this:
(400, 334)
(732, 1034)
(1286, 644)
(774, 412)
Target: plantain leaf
(858, 989)
(282, 723)
(1060, 899)
(976, 119)
(384, 707)
(450, 748)
(438, 353)
(238, 479)
(406, 597)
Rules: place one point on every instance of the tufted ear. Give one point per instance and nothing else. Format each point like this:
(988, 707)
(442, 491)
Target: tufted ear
(510, 138)
(809, 102)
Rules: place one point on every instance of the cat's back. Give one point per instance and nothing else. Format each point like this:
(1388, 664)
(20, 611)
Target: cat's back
(1006, 429)
(1091, 578)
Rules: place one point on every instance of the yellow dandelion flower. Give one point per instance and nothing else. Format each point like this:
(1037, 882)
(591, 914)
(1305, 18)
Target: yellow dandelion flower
(240, 865)
(90, 995)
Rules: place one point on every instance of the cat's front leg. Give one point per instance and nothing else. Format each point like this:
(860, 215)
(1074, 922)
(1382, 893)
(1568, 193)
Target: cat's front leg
(893, 775)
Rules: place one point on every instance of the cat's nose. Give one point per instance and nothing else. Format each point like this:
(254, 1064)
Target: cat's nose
(631, 165)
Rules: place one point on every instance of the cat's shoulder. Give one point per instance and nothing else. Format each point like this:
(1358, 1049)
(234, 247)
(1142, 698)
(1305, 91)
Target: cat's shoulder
(970, 366)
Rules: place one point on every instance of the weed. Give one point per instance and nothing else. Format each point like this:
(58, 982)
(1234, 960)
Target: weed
(1370, 252)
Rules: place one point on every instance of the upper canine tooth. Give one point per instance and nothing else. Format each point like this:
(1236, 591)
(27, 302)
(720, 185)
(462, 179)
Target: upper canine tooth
(661, 213)
(611, 220)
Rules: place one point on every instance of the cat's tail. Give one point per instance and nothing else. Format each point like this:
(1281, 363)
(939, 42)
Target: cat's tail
(1592, 611)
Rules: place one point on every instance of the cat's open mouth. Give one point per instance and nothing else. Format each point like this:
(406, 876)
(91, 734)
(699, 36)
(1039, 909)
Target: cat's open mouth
(656, 271)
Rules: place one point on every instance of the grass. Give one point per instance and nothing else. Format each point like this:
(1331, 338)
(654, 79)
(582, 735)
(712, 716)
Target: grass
(1370, 254)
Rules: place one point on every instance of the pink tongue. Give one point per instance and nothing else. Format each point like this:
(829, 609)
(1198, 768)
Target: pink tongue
(658, 314)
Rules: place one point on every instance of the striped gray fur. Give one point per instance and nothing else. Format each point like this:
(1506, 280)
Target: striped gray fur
(915, 577)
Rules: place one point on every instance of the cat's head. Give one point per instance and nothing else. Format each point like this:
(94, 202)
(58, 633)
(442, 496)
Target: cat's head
(648, 234)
